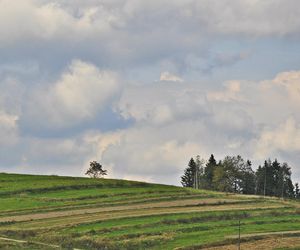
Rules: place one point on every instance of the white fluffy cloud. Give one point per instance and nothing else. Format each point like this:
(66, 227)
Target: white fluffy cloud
(47, 19)
(290, 82)
(82, 92)
(174, 122)
(155, 154)
(162, 103)
(285, 137)
(167, 76)
(171, 122)
(231, 93)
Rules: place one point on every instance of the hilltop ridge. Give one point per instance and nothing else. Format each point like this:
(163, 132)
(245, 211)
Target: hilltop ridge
(76, 212)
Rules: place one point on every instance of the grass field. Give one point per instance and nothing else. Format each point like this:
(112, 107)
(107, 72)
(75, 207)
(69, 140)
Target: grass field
(51, 212)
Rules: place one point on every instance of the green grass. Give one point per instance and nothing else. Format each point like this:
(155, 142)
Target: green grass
(117, 214)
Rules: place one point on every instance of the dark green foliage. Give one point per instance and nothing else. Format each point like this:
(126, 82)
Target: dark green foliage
(234, 174)
(297, 191)
(260, 180)
(274, 179)
(248, 177)
(209, 172)
(188, 178)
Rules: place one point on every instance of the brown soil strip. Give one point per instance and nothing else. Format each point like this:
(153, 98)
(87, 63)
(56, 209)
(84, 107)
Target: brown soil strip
(100, 203)
(164, 204)
(71, 220)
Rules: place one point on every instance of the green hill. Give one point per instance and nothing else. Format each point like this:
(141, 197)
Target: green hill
(47, 212)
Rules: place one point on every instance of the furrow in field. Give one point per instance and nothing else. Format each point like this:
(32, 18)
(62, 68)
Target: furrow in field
(186, 202)
(268, 243)
(108, 215)
(98, 203)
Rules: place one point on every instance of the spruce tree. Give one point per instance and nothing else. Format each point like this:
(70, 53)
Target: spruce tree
(274, 179)
(297, 191)
(209, 172)
(260, 180)
(188, 178)
(248, 178)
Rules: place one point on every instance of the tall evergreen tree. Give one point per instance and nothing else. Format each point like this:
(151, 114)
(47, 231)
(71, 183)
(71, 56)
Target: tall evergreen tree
(234, 174)
(260, 180)
(287, 187)
(265, 177)
(188, 178)
(274, 179)
(248, 179)
(277, 183)
(209, 172)
(268, 181)
(297, 191)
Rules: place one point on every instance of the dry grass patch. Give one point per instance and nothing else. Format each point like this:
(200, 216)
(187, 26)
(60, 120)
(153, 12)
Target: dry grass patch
(269, 243)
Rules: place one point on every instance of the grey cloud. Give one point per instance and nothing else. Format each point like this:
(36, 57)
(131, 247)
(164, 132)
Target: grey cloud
(162, 103)
(123, 33)
(78, 95)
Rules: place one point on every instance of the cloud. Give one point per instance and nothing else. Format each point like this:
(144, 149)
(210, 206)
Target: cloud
(61, 112)
(223, 17)
(210, 62)
(162, 103)
(145, 151)
(167, 76)
(81, 92)
(46, 20)
(10, 95)
(239, 119)
(231, 93)
(170, 122)
(284, 138)
(122, 34)
(8, 129)
(290, 82)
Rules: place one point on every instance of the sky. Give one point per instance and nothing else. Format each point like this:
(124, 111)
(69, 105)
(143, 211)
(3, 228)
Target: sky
(142, 86)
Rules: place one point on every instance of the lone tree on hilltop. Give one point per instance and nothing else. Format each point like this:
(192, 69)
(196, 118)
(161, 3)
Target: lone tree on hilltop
(95, 170)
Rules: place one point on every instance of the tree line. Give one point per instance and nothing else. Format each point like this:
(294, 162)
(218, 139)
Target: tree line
(234, 174)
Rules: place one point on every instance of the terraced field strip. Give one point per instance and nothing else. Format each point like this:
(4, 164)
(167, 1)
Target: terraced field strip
(168, 204)
(265, 234)
(269, 243)
(25, 242)
(83, 217)
(100, 203)
(186, 218)
(115, 214)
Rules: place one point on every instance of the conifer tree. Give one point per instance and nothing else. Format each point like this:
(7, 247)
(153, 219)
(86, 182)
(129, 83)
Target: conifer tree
(188, 178)
(297, 191)
(209, 172)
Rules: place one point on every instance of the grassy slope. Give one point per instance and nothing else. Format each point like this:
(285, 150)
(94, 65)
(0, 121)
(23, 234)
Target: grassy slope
(117, 214)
